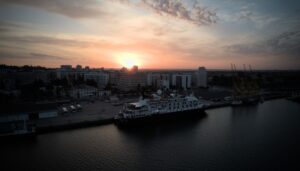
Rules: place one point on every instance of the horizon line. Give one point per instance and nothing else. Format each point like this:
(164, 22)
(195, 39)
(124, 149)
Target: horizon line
(169, 69)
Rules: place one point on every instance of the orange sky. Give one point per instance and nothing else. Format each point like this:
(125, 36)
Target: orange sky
(115, 33)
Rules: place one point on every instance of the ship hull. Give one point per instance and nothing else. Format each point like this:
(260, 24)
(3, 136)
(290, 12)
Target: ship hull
(160, 117)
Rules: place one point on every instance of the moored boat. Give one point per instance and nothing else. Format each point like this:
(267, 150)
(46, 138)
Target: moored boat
(159, 109)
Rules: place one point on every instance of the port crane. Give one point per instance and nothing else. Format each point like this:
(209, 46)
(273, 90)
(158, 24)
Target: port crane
(245, 85)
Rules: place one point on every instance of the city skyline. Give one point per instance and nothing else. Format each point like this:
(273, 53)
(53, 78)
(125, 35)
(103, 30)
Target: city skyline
(152, 34)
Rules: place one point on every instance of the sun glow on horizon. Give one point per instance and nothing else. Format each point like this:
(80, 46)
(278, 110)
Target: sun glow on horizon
(128, 60)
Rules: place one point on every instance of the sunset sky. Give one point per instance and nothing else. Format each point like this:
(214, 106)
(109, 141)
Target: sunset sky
(151, 33)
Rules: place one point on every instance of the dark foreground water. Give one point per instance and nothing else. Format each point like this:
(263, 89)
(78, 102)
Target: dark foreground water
(261, 137)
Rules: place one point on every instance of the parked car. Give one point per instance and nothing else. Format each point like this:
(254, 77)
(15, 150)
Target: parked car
(64, 110)
(72, 108)
(79, 107)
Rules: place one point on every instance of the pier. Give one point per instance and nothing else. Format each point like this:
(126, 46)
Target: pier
(100, 113)
(96, 113)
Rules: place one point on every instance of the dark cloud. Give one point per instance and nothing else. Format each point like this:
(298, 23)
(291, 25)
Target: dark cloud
(287, 44)
(46, 56)
(74, 8)
(45, 40)
(23, 41)
(31, 56)
(11, 47)
(9, 55)
(8, 26)
(197, 14)
(174, 8)
(203, 15)
(3, 30)
(245, 14)
(93, 8)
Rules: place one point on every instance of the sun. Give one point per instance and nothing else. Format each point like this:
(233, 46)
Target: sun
(128, 60)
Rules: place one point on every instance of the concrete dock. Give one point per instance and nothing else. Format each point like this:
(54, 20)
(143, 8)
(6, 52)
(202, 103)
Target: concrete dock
(98, 113)
(91, 114)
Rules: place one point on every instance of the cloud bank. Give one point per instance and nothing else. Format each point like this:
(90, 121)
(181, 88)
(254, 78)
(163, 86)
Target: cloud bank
(196, 14)
(92, 8)
(287, 44)
(30, 56)
(74, 9)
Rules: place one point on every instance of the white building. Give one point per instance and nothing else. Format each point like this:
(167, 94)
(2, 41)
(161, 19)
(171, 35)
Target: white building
(182, 81)
(100, 78)
(131, 80)
(158, 80)
(64, 71)
(84, 92)
(66, 67)
(201, 77)
(78, 67)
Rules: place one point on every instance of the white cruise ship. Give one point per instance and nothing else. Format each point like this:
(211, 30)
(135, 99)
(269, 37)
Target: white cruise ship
(159, 107)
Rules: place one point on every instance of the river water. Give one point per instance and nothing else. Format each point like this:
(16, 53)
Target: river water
(259, 137)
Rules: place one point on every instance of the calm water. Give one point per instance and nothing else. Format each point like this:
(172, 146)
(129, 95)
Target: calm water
(262, 137)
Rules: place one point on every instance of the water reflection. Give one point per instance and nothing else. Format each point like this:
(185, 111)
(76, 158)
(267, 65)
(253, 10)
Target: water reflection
(262, 137)
(164, 128)
(244, 112)
(239, 111)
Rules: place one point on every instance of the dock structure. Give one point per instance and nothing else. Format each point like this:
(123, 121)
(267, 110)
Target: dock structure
(99, 113)
(91, 114)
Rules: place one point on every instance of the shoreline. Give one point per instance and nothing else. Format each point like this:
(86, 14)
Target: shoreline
(70, 126)
(110, 120)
